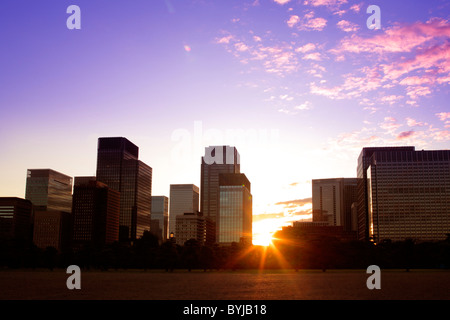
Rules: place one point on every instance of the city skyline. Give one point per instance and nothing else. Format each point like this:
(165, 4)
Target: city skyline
(299, 85)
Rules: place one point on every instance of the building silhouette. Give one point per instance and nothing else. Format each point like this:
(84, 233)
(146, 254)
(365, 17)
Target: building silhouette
(95, 214)
(50, 192)
(361, 203)
(184, 198)
(332, 201)
(15, 219)
(407, 194)
(120, 169)
(48, 189)
(160, 218)
(315, 231)
(235, 209)
(217, 160)
(193, 225)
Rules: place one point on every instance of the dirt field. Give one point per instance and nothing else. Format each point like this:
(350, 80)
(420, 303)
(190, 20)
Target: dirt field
(245, 285)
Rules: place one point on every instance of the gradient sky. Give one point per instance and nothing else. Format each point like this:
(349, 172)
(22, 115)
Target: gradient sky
(299, 87)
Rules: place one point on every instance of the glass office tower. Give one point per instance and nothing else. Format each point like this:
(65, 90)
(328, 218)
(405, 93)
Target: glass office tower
(332, 201)
(408, 195)
(217, 160)
(51, 195)
(235, 210)
(361, 174)
(120, 169)
(48, 189)
(15, 218)
(95, 213)
(160, 217)
(184, 198)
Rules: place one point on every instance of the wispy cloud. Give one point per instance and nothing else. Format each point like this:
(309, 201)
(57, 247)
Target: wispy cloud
(307, 23)
(282, 2)
(347, 26)
(327, 3)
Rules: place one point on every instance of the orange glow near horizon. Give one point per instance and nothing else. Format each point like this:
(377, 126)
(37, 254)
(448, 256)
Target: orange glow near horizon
(265, 228)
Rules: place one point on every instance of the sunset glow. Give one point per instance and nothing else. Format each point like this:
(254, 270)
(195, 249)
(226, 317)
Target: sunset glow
(299, 87)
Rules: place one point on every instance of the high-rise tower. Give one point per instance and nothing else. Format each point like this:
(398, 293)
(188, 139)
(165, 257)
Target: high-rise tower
(120, 169)
(217, 160)
(184, 198)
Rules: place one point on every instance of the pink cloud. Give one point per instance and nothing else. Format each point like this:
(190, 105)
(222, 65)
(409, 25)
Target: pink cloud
(308, 22)
(241, 46)
(293, 20)
(347, 26)
(405, 134)
(400, 38)
(340, 13)
(435, 58)
(390, 125)
(328, 3)
(282, 2)
(426, 65)
(441, 135)
(312, 56)
(225, 39)
(443, 115)
(356, 7)
(391, 99)
(306, 48)
(418, 91)
(415, 81)
(413, 123)
(314, 24)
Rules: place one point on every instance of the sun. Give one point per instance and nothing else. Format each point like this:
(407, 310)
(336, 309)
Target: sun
(262, 239)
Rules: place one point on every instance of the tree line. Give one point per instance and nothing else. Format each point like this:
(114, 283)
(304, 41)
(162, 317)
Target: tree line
(300, 253)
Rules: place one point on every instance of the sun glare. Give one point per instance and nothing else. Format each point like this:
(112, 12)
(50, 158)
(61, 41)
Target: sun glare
(263, 239)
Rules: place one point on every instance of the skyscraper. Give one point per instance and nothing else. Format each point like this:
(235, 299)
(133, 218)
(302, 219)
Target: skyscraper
(50, 192)
(235, 209)
(120, 169)
(332, 201)
(15, 218)
(95, 213)
(160, 217)
(408, 195)
(184, 198)
(193, 226)
(217, 160)
(48, 189)
(362, 204)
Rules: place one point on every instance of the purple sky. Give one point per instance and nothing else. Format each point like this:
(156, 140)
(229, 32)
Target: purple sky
(299, 87)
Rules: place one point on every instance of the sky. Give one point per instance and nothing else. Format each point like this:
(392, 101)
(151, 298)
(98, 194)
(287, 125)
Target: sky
(298, 86)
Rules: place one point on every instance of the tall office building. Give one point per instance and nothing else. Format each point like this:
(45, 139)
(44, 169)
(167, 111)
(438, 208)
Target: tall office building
(52, 229)
(217, 160)
(120, 169)
(95, 213)
(184, 198)
(15, 218)
(407, 194)
(235, 209)
(160, 217)
(361, 174)
(49, 190)
(332, 201)
(193, 225)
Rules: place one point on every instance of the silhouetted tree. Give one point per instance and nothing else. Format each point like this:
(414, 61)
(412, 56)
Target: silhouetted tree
(50, 255)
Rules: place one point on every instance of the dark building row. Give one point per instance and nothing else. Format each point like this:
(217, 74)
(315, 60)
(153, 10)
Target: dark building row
(225, 212)
(117, 204)
(399, 193)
